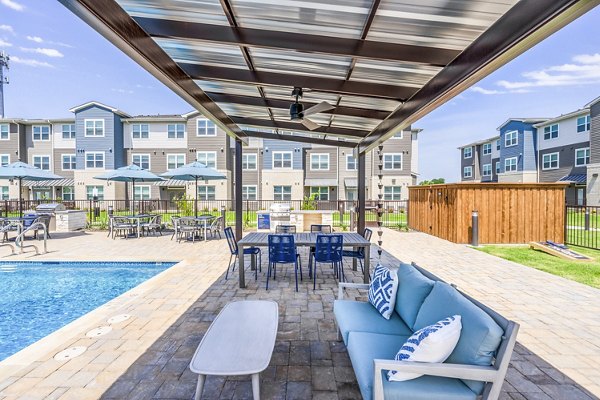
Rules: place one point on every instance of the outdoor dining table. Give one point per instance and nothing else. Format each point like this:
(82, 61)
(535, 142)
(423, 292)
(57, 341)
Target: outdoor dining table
(303, 239)
(205, 220)
(137, 219)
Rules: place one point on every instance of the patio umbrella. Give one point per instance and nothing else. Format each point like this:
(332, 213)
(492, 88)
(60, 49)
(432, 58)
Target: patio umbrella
(195, 171)
(131, 173)
(19, 170)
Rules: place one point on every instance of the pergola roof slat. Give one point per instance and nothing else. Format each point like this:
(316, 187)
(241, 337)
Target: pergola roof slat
(296, 126)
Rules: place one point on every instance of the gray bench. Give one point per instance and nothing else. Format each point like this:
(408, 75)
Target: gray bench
(476, 367)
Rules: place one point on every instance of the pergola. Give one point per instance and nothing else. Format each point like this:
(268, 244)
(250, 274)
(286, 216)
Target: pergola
(383, 64)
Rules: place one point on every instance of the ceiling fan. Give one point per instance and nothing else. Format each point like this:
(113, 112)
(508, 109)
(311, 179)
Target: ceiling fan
(297, 112)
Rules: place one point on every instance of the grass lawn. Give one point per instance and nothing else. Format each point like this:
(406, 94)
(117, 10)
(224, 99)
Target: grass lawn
(587, 273)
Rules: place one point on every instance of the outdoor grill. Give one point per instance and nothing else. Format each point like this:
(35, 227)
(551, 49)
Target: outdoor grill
(50, 209)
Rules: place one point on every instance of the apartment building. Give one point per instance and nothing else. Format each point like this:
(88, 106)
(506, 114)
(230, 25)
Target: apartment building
(101, 137)
(480, 161)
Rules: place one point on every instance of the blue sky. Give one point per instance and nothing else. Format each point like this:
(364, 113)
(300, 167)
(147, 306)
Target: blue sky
(59, 62)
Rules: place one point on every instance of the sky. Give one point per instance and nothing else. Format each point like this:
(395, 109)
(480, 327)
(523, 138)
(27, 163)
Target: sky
(58, 62)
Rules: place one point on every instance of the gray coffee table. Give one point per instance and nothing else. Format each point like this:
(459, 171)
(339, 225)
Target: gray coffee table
(240, 341)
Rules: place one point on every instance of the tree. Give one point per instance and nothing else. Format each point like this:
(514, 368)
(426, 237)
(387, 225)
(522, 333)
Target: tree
(435, 181)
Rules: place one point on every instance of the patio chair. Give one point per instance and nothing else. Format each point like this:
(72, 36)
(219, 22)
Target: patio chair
(282, 250)
(188, 226)
(175, 222)
(233, 248)
(320, 229)
(5, 227)
(359, 253)
(215, 227)
(45, 219)
(328, 249)
(124, 225)
(285, 229)
(154, 224)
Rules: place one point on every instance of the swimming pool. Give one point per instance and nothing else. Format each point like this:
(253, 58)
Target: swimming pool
(37, 298)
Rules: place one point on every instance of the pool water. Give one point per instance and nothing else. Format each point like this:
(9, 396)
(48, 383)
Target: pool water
(37, 298)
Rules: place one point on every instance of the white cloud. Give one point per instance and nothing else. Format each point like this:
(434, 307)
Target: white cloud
(122, 91)
(7, 28)
(479, 89)
(4, 43)
(43, 51)
(13, 4)
(30, 62)
(36, 39)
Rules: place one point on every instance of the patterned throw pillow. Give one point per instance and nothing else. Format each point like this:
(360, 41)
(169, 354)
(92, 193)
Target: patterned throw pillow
(432, 344)
(382, 290)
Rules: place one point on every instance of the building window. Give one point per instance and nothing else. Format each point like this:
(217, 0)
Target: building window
(92, 190)
(94, 160)
(249, 192)
(391, 192)
(468, 172)
(487, 149)
(3, 192)
(351, 164)
(175, 161)
(69, 162)
(511, 138)
(42, 162)
(68, 193)
(206, 193)
(68, 131)
(550, 161)
(398, 135)
(141, 160)
(498, 144)
(487, 170)
(206, 128)
(249, 162)
(282, 193)
(176, 131)
(41, 132)
(140, 131)
(208, 158)
(582, 157)
(320, 192)
(4, 159)
(497, 167)
(551, 132)
(94, 127)
(282, 159)
(319, 161)
(583, 123)
(4, 135)
(468, 152)
(392, 161)
(510, 164)
(141, 192)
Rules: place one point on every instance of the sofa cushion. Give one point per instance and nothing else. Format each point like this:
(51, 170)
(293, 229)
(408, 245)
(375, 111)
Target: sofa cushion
(480, 336)
(413, 287)
(364, 347)
(360, 316)
(382, 290)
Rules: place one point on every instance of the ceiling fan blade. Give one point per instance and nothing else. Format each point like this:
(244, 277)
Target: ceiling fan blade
(310, 124)
(321, 107)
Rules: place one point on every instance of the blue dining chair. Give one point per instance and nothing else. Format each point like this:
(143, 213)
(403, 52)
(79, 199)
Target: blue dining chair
(359, 254)
(328, 249)
(233, 248)
(282, 250)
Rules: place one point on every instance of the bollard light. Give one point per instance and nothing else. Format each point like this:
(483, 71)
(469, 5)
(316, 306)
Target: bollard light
(475, 228)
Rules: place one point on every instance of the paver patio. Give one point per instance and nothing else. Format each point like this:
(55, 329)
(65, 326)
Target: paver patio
(148, 355)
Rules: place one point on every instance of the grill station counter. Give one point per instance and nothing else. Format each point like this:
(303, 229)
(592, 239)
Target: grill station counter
(281, 214)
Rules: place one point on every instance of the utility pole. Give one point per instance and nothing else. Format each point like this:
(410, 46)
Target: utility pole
(4, 59)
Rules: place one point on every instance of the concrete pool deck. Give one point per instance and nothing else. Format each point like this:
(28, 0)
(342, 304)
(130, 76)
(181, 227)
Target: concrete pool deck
(147, 356)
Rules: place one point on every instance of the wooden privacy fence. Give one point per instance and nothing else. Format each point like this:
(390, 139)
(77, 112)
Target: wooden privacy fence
(508, 212)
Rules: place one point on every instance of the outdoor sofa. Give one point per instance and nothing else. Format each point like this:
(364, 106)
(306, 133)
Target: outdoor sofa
(475, 369)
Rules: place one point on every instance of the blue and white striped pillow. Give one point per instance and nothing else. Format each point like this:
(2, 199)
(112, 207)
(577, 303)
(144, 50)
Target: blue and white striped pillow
(432, 344)
(382, 290)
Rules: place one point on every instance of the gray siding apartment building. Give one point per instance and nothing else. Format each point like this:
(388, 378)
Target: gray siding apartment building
(101, 137)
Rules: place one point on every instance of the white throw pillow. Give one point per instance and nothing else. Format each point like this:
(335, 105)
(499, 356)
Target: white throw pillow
(432, 344)
(382, 290)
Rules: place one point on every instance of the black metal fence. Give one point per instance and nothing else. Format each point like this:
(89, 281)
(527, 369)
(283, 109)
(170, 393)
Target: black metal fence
(582, 226)
(395, 214)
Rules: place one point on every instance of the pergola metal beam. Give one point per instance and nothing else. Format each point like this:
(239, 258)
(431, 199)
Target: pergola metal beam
(328, 85)
(294, 126)
(112, 22)
(285, 104)
(249, 37)
(301, 139)
(527, 23)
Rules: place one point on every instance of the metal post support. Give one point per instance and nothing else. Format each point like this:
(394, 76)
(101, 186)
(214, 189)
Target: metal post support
(475, 228)
(362, 193)
(238, 204)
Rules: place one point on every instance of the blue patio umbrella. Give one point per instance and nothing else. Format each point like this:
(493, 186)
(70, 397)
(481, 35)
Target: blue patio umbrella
(19, 170)
(131, 173)
(195, 171)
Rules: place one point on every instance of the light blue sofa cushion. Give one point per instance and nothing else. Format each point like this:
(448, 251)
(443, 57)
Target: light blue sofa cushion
(361, 316)
(363, 348)
(480, 336)
(413, 287)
